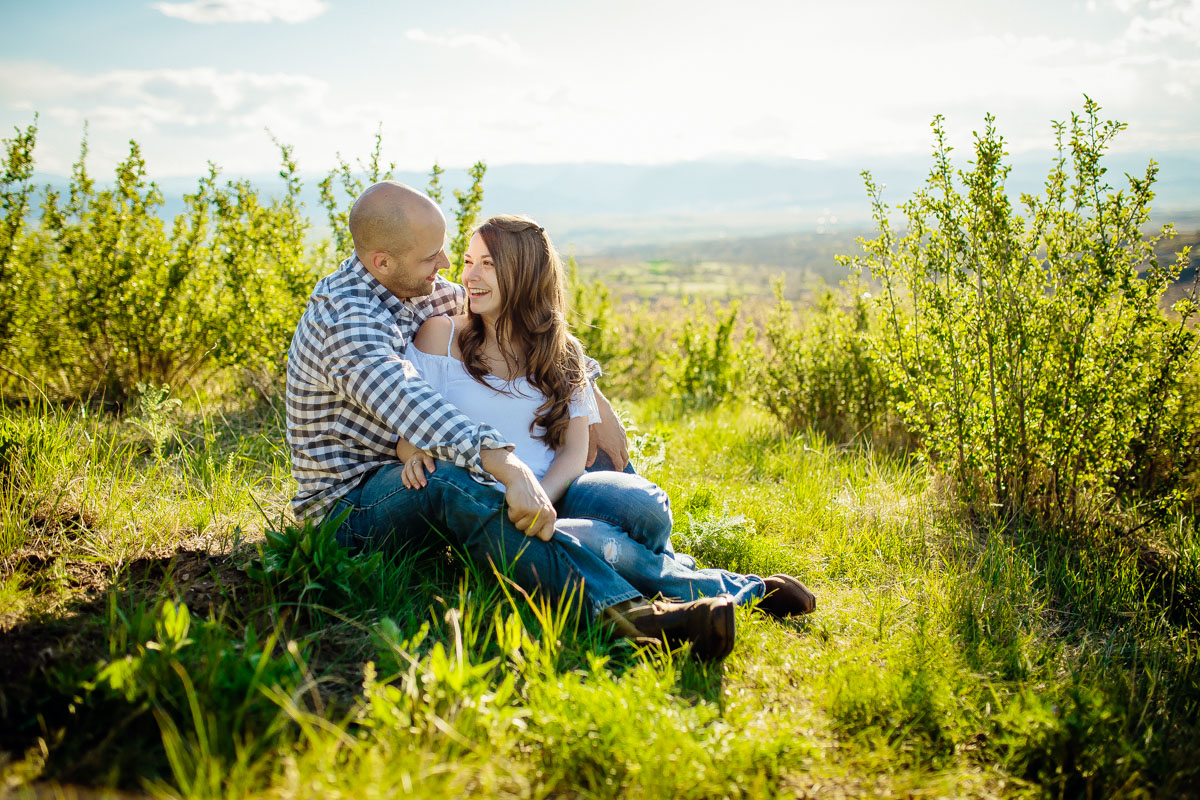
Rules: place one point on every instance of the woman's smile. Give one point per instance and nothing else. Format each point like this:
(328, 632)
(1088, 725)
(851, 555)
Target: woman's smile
(479, 276)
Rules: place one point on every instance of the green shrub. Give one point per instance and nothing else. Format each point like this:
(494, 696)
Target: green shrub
(706, 367)
(19, 446)
(819, 370)
(153, 415)
(185, 698)
(16, 189)
(306, 561)
(1029, 353)
(103, 295)
(466, 215)
(726, 541)
(109, 298)
(352, 184)
(627, 340)
(592, 316)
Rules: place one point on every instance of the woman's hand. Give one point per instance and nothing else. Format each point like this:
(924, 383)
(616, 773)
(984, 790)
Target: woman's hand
(529, 507)
(413, 476)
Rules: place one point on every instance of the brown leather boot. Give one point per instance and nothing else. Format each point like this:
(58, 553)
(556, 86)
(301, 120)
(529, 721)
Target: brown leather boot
(787, 597)
(708, 623)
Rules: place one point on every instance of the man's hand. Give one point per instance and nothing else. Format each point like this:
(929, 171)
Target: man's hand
(608, 436)
(529, 507)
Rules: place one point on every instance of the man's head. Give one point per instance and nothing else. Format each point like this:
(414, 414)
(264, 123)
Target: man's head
(399, 236)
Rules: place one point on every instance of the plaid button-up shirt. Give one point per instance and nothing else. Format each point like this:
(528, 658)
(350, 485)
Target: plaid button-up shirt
(351, 393)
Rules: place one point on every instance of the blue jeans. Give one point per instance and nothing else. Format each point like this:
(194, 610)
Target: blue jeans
(472, 517)
(634, 537)
(604, 463)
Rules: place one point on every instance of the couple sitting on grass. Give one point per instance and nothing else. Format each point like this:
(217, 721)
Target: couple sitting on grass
(427, 420)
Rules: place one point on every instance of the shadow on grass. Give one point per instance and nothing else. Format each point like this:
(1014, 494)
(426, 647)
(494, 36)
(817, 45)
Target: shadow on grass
(68, 732)
(49, 655)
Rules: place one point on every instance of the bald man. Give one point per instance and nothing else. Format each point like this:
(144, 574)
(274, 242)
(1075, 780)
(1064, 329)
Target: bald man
(351, 395)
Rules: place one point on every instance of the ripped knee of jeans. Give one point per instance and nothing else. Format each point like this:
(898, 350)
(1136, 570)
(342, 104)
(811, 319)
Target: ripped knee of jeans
(611, 550)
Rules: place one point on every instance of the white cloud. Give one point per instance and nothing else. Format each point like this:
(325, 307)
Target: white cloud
(503, 47)
(203, 92)
(210, 11)
(1157, 21)
(181, 117)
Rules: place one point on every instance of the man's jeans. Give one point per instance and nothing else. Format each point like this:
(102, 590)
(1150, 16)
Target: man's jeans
(472, 517)
(633, 534)
(612, 540)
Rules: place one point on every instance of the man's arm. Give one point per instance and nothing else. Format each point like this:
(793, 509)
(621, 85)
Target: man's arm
(361, 362)
(607, 435)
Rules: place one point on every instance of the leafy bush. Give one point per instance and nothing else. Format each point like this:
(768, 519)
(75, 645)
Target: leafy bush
(16, 189)
(18, 445)
(627, 341)
(163, 669)
(1029, 353)
(108, 297)
(725, 541)
(153, 415)
(337, 210)
(466, 215)
(706, 367)
(819, 370)
(104, 295)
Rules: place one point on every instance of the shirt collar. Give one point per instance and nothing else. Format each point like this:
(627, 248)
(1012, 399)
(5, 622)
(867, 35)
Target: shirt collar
(393, 304)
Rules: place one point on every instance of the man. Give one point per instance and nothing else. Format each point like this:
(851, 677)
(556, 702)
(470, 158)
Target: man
(351, 395)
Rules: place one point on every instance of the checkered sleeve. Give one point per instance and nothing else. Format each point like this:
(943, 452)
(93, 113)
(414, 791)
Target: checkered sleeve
(364, 363)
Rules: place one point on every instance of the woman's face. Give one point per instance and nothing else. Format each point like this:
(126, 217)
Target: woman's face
(479, 276)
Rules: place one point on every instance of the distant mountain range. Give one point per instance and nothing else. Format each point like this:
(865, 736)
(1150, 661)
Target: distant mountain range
(594, 208)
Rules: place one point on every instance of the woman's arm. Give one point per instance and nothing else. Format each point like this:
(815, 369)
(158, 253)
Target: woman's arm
(406, 450)
(568, 460)
(432, 337)
(417, 463)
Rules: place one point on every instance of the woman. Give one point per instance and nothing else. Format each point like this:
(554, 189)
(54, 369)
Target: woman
(510, 361)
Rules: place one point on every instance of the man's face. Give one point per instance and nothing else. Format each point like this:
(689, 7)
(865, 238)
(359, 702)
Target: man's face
(410, 272)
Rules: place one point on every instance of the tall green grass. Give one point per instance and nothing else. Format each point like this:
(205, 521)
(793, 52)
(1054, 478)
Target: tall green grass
(942, 660)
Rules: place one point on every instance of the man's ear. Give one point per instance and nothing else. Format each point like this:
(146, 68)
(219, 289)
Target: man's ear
(380, 260)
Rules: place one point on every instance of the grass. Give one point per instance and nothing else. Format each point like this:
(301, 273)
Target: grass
(151, 648)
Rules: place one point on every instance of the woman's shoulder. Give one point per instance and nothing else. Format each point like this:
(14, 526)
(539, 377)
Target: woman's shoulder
(433, 337)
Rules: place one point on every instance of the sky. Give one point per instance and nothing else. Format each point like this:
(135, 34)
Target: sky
(625, 81)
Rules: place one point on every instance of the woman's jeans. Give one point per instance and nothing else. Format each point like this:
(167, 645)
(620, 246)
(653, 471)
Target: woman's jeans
(633, 534)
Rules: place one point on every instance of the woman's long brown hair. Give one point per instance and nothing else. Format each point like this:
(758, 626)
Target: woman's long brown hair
(533, 304)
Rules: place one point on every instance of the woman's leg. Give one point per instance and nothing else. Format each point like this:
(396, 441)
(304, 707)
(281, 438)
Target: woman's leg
(629, 502)
(652, 573)
(626, 501)
(634, 536)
